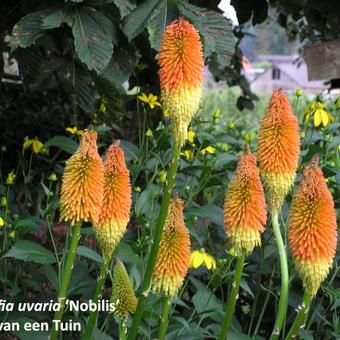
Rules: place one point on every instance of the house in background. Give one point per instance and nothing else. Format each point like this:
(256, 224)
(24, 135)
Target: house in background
(283, 73)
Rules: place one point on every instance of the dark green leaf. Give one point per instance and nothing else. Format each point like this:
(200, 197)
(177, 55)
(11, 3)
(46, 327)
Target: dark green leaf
(28, 29)
(212, 212)
(64, 143)
(125, 6)
(92, 44)
(27, 225)
(31, 252)
(52, 276)
(165, 14)
(99, 335)
(89, 253)
(104, 22)
(137, 20)
(55, 19)
(215, 29)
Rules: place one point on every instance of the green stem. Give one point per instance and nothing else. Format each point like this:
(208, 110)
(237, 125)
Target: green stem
(283, 303)
(164, 318)
(228, 316)
(301, 317)
(122, 330)
(97, 295)
(145, 286)
(66, 278)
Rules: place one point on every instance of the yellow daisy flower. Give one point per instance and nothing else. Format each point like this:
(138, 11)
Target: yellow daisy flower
(35, 144)
(208, 149)
(200, 258)
(151, 100)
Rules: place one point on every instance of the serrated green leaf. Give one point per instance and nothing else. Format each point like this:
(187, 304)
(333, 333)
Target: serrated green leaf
(28, 29)
(104, 22)
(137, 20)
(31, 252)
(125, 6)
(93, 45)
(64, 143)
(55, 19)
(215, 29)
(165, 14)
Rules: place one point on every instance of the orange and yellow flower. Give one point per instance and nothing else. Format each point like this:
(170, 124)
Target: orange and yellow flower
(244, 206)
(123, 296)
(82, 183)
(278, 149)
(312, 229)
(173, 257)
(115, 211)
(181, 75)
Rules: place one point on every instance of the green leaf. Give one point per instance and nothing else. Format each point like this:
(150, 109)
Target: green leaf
(145, 200)
(27, 225)
(165, 14)
(120, 67)
(55, 19)
(244, 285)
(104, 22)
(125, 6)
(31, 252)
(126, 254)
(335, 142)
(215, 29)
(93, 45)
(205, 301)
(212, 212)
(52, 276)
(137, 20)
(89, 253)
(99, 335)
(64, 143)
(28, 29)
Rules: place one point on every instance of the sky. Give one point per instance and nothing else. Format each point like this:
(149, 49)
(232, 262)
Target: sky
(228, 10)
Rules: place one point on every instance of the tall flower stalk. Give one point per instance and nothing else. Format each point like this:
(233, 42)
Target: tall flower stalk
(244, 218)
(172, 261)
(278, 154)
(81, 199)
(312, 236)
(113, 219)
(181, 76)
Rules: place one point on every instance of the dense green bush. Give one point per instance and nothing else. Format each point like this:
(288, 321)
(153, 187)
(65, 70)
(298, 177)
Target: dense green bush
(29, 268)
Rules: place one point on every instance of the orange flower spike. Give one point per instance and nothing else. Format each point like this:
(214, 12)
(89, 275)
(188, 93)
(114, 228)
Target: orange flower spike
(312, 230)
(115, 212)
(244, 206)
(174, 252)
(82, 183)
(181, 75)
(278, 149)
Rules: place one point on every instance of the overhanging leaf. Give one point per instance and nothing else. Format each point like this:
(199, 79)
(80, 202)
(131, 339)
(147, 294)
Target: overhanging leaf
(31, 252)
(125, 6)
(28, 29)
(165, 14)
(93, 45)
(215, 29)
(137, 20)
(55, 19)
